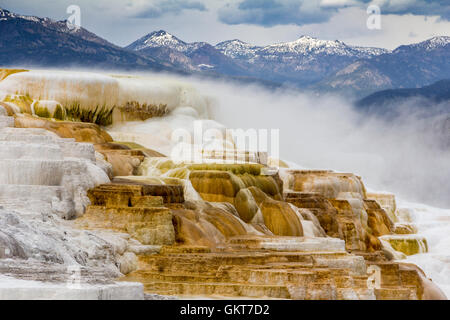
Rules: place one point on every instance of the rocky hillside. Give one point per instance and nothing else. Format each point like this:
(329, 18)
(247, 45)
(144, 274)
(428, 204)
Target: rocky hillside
(33, 41)
(436, 93)
(300, 62)
(319, 65)
(409, 66)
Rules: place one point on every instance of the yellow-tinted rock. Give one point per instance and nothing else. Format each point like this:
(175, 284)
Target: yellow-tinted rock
(81, 132)
(281, 219)
(226, 223)
(378, 221)
(408, 244)
(7, 72)
(396, 278)
(246, 205)
(130, 208)
(321, 208)
(145, 151)
(426, 289)
(359, 221)
(23, 102)
(238, 169)
(331, 185)
(135, 111)
(355, 235)
(124, 161)
(9, 109)
(404, 228)
(122, 194)
(219, 221)
(146, 201)
(151, 226)
(216, 186)
(223, 186)
(188, 229)
(49, 109)
(387, 202)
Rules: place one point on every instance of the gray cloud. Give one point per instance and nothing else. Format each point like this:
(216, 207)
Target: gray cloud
(269, 13)
(161, 8)
(418, 7)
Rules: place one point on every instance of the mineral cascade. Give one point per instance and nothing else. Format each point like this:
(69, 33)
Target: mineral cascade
(94, 205)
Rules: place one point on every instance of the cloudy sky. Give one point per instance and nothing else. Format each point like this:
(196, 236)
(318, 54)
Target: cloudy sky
(256, 21)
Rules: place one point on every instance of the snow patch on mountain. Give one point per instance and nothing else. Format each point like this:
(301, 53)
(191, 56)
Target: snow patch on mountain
(303, 46)
(427, 45)
(161, 38)
(238, 49)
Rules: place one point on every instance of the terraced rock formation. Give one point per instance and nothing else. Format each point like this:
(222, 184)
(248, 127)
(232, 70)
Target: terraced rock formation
(219, 250)
(70, 196)
(44, 179)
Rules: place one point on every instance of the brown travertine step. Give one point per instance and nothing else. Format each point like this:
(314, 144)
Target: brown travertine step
(171, 193)
(277, 243)
(218, 289)
(241, 258)
(395, 294)
(150, 276)
(119, 194)
(150, 226)
(251, 276)
(259, 273)
(246, 265)
(185, 250)
(125, 152)
(311, 291)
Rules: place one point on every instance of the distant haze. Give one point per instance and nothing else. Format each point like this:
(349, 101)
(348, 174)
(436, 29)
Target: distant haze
(406, 156)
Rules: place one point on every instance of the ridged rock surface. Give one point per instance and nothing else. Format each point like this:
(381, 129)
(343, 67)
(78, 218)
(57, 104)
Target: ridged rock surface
(241, 241)
(45, 178)
(194, 229)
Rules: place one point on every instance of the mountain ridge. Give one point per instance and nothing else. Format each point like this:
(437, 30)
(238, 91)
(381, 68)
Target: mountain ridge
(301, 61)
(307, 63)
(408, 66)
(435, 93)
(30, 41)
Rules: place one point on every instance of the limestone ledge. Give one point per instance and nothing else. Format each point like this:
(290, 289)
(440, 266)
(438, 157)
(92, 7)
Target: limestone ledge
(14, 289)
(37, 157)
(150, 226)
(409, 244)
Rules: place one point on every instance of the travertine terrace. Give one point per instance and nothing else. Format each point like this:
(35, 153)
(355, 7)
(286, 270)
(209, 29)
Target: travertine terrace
(120, 211)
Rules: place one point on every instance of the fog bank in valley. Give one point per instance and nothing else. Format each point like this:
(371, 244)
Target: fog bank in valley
(408, 155)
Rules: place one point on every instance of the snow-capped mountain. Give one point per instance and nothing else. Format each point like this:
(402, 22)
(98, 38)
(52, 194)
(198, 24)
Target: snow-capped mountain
(305, 45)
(434, 43)
(33, 41)
(60, 26)
(197, 56)
(238, 49)
(304, 60)
(307, 62)
(161, 38)
(408, 66)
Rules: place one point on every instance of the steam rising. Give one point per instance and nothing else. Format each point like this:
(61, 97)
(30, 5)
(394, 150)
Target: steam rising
(407, 155)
